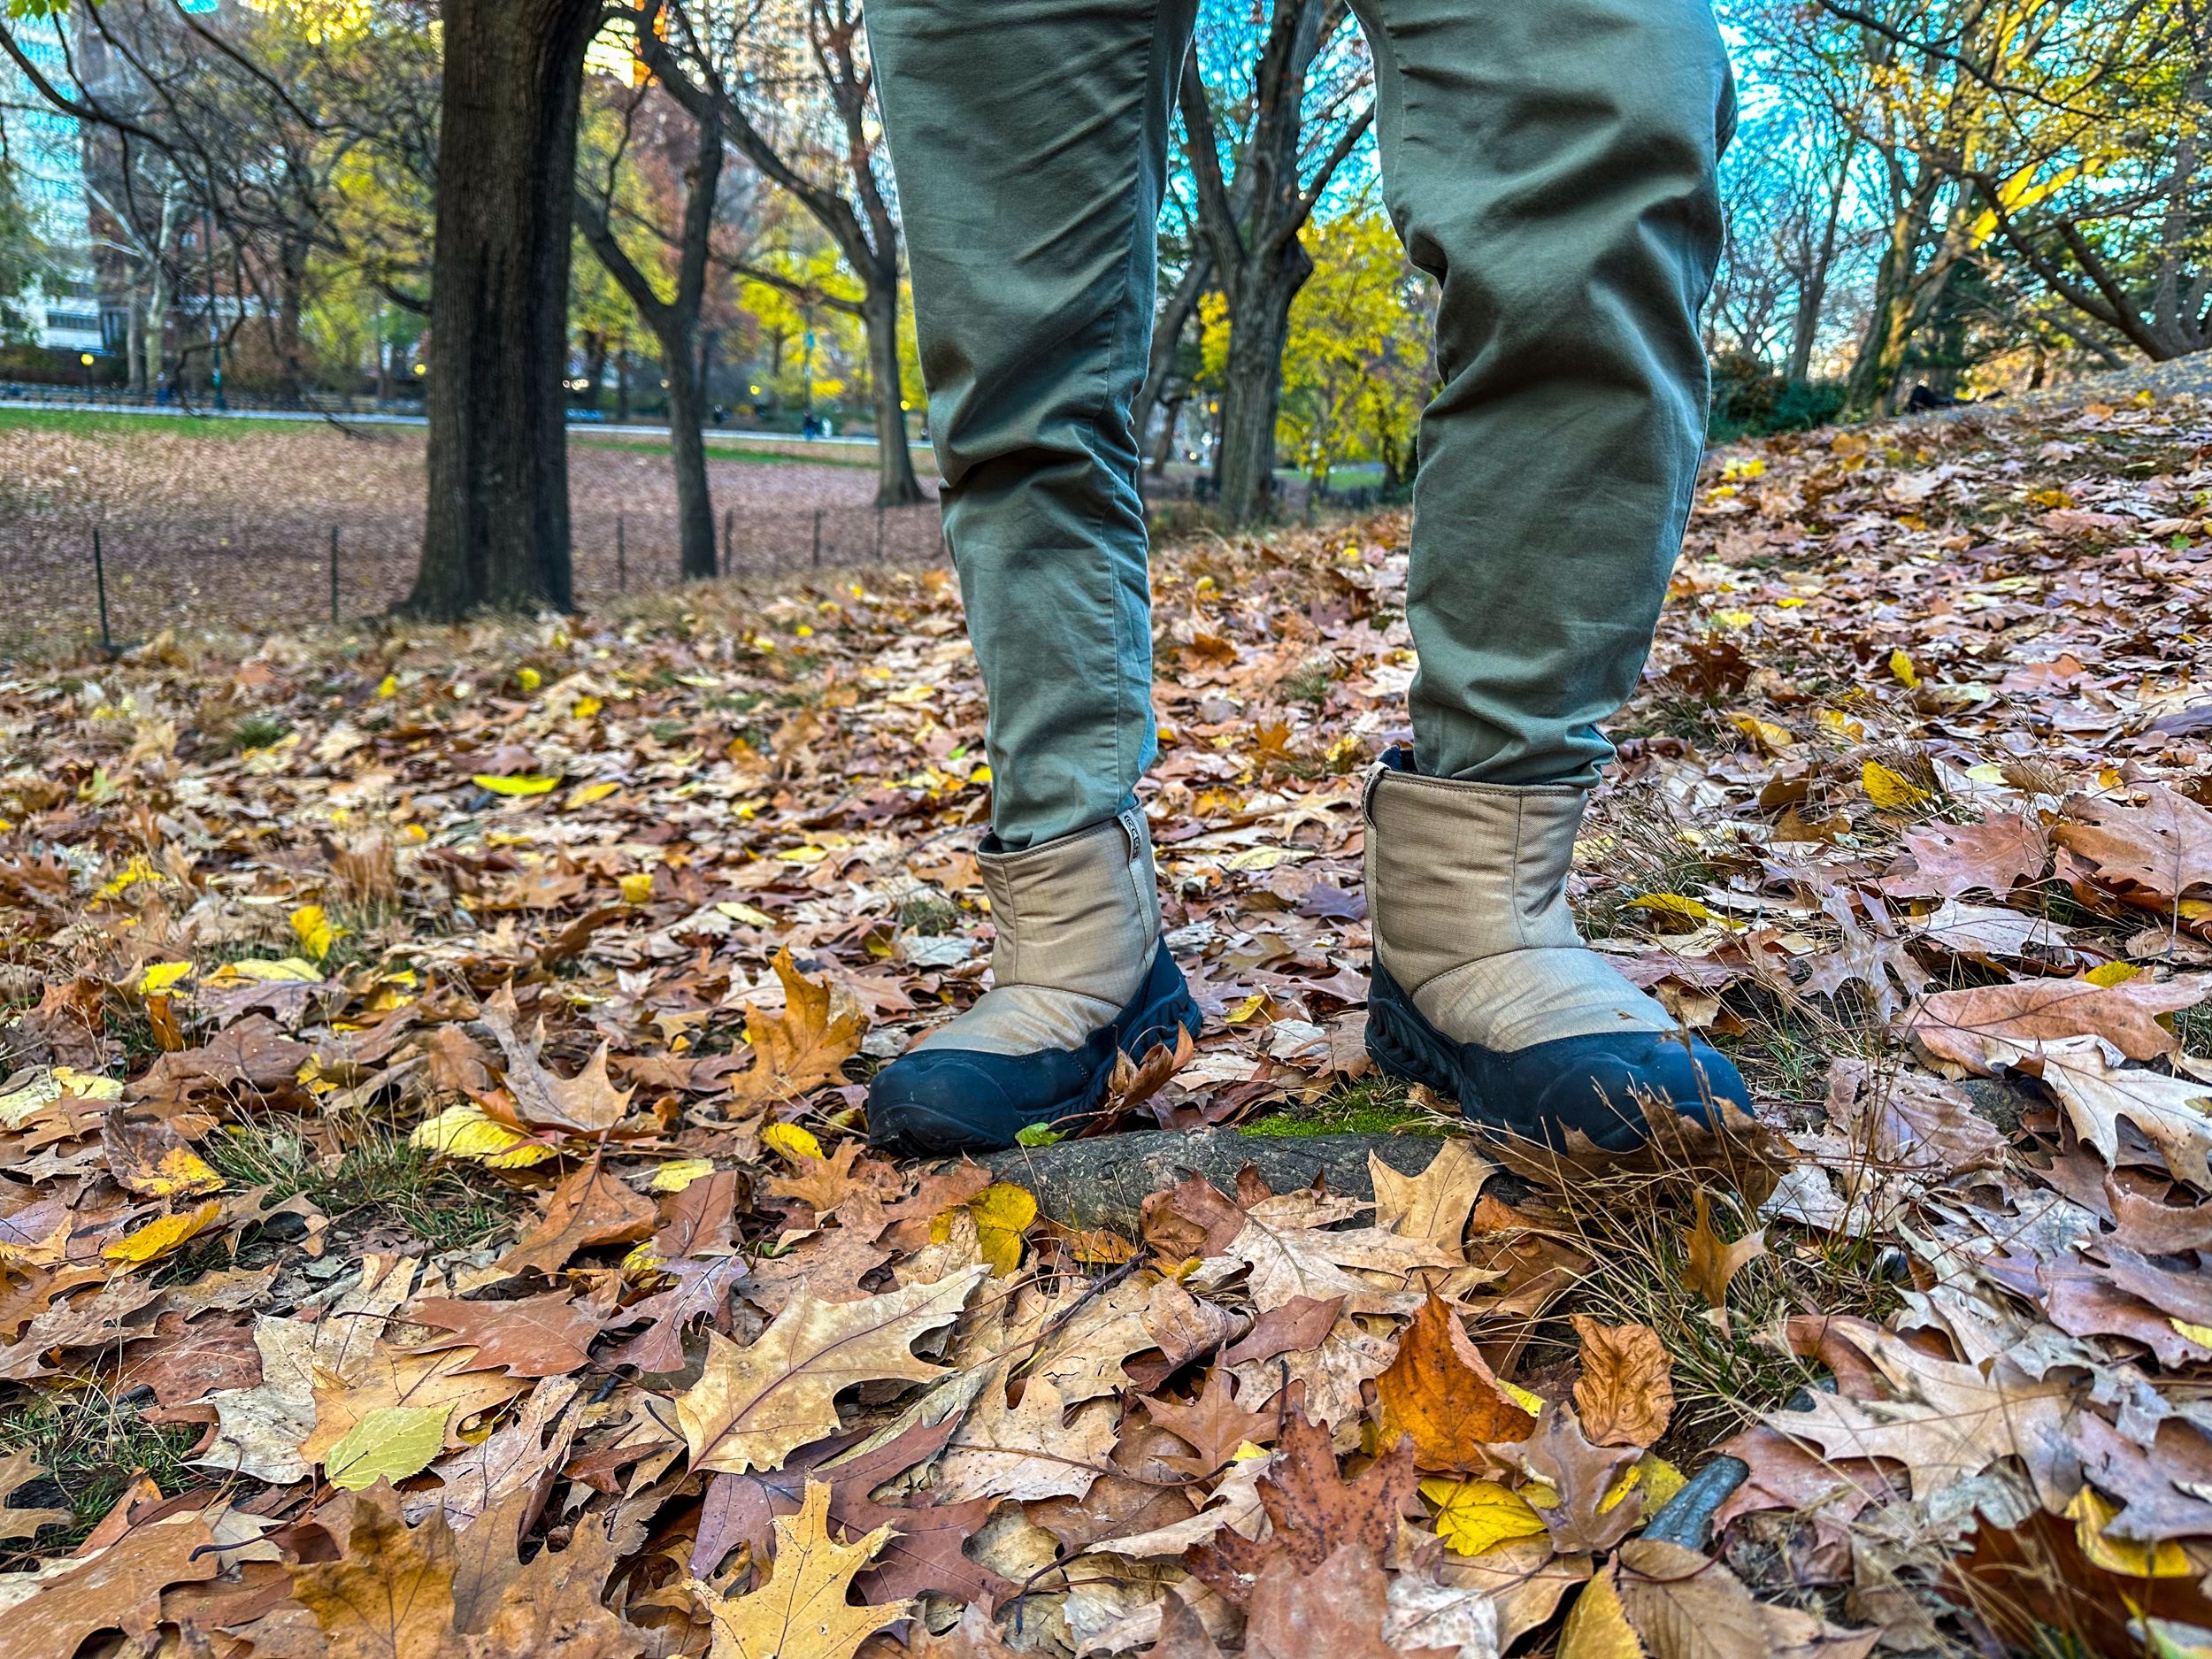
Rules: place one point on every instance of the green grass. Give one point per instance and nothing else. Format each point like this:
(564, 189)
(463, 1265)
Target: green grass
(88, 422)
(728, 452)
(91, 1446)
(380, 1176)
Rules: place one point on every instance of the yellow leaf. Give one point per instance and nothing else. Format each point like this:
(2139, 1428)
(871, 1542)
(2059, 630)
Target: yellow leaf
(583, 708)
(791, 1142)
(162, 977)
(1672, 904)
(679, 1173)
(260, 971)
(1733, 618)
(1900, 666)
(1597, 1626)
(1475, 1515)
(1661, 1481)
(1890, 790)
(464, 1132)
(528, 677)
(388, 687)
(804, 1611)
(180, 1172)
(1003, 1211)
(2090, 1512)
(1768, 737)
(388, 1443)
(163, 1234)
(518, 785)
(2109, 973)
(2200, 1334)
(315, 934)
(587, 795)
(637, 887)
(1532, 1403)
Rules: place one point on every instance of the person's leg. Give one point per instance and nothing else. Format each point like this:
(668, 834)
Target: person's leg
(1030, 142)
(1551, 163)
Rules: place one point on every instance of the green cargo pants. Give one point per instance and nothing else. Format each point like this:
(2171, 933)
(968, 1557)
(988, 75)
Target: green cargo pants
(1549, 162)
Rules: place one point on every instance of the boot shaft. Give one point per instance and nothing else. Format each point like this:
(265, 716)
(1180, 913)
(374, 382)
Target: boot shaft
(1080, 913)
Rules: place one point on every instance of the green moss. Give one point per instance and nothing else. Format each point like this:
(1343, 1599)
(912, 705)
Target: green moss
(1370, 1106)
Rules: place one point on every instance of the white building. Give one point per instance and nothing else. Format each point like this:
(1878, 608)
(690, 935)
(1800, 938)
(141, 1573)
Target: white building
(47, 150)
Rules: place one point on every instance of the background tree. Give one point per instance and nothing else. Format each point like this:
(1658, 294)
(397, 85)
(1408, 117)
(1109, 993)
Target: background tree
(793, 85)
(1266, 135)
(686, 142)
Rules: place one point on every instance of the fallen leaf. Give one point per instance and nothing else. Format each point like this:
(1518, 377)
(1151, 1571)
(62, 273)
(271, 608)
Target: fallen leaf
(386, 1443)
(1439, 1392)
(1313, 1511)
(592, 1206)
(1597, 1626)
(1708, 1267)
(1954, 1024)
(804, 1047)
(802, 1612)
(1474, 1517)
(751, 1406)
(1625, 1394)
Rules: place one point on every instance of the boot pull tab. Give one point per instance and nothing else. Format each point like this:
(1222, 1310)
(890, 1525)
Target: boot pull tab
(1132, 821)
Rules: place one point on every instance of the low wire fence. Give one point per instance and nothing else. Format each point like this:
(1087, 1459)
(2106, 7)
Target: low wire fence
(122, 577)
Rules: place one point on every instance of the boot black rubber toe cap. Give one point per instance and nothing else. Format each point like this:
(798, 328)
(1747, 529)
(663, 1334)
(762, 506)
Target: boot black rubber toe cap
(1594, 1083)
(938, 1102)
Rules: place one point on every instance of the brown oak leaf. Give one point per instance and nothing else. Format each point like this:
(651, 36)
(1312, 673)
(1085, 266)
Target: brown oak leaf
(591, 1207)
(1626, 1391)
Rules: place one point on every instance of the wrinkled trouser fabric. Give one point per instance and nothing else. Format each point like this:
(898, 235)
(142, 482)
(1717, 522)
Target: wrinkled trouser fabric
(1550, 161)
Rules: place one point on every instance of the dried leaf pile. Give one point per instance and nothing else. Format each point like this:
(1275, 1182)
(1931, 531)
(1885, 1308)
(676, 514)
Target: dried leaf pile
(435, 1219)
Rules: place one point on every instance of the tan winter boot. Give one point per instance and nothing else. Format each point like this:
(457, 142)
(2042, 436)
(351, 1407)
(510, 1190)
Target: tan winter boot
(1079, 974)
(1483, 988)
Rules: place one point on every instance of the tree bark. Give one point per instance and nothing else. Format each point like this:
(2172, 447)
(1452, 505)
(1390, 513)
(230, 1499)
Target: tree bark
(497, 529)
(895, 483)
(1252, 388)
(1251, 230)
(595, 366)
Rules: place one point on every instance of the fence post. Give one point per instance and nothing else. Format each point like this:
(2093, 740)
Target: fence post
(878, 533)
(621, 559)
(333, 575)
(100, 581)
(729, 525)
(818, 538)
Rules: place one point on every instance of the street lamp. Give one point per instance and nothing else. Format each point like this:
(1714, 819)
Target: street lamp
(85, 357)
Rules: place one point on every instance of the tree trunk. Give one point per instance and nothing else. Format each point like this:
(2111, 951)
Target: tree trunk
(495, 530)
(156, 335)
(595, 366)
(134, 343)
(895, 484)
(1170, 417)
(622, 385)
(688, 449)
(1252, 383)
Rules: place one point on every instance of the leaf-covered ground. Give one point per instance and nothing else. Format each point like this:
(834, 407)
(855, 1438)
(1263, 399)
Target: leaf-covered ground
(434, 1222)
